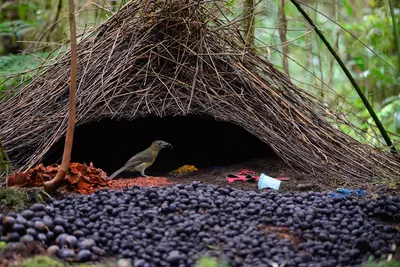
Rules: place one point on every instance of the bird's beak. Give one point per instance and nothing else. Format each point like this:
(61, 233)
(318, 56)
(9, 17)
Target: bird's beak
(168, 145)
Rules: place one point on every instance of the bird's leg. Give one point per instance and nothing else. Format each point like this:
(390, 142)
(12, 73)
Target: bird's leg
(143, 174)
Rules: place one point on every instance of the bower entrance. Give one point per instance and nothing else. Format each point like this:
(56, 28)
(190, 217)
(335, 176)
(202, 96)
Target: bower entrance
(198, 141)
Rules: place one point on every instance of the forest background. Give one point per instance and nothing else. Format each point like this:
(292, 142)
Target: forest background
(361, 31)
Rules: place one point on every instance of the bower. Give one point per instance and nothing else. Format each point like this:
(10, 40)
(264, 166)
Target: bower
(182, 59)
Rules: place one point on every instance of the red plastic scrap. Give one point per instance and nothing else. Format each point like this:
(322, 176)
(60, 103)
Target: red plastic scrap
(246, 172)
(249, 175)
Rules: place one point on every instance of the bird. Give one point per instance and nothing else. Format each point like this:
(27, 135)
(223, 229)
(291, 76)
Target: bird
(142, 160)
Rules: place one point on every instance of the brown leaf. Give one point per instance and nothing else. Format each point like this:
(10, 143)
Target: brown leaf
(17, 179)
(81, 177)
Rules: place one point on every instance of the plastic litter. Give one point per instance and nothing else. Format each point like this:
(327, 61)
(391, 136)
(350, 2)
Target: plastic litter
(268, 182)
(347, 192)
(244, 175)
(233, 178)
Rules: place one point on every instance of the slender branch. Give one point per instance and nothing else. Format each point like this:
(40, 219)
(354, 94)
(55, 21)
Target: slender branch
(57, 181)
(396, 31)
(350, 77)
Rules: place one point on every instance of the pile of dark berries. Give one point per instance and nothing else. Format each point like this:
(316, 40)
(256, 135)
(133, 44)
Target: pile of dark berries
(175, 226)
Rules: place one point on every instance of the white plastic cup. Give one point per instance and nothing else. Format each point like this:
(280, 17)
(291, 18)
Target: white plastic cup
(268, 182)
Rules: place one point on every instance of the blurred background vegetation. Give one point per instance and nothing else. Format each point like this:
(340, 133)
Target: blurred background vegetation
(361, 31)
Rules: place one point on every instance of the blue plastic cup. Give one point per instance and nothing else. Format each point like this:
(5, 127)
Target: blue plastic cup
(268, 182)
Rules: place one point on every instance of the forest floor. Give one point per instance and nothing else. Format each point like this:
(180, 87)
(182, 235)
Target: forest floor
(298, 181)
(216, 176)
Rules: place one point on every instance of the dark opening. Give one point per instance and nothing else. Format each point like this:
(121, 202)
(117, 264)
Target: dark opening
(202, 142)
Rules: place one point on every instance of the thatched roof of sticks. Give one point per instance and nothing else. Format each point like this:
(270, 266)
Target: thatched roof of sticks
(181, 58)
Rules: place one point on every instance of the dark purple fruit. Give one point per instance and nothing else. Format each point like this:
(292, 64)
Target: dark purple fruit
(98, 251)
(37, 207)
(12, 214)
(71, 241)
(8, 222)
(174, 256)
(84, 255)
(53, 250)
(42, 237)
(32, 232)
(48, 222)
(79, 233)
(27, 214)
(27, 239)
(13, 237)
(19, 228)
(59, 221)
(58, 229)
(86, 244)
(66, 253)
(22, 220)
(40, 226)
(50, 235)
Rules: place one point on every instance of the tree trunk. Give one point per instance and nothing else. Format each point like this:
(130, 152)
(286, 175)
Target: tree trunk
(282, 34)
(53, 24)
(56, 182)
(249, 7)
(8, 43)
(336, 47)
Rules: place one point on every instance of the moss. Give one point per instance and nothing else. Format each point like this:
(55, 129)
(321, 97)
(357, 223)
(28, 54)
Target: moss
(12, 199)
(46, 261)
(3, 246)
(210, 262)
(41, 261)
(382, 263)
(5, 165)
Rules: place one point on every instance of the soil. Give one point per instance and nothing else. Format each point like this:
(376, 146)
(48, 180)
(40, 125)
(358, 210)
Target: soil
(283, 233)
(217, 175)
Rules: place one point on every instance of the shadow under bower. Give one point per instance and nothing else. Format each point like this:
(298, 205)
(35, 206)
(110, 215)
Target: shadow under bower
(198, 141)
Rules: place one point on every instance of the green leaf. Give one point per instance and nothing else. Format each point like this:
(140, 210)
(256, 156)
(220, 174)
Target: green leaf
(348, 8)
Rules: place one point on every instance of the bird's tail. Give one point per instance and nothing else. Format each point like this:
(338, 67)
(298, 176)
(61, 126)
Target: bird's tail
(112, 176)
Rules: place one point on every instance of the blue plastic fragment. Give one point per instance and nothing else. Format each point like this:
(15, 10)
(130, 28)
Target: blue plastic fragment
(346, 192)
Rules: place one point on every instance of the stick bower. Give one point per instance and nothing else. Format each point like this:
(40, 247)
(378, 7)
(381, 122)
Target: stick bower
(180, 58)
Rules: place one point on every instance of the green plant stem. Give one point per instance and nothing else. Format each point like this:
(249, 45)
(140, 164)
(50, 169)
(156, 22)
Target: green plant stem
(350, 77)
(396, 31)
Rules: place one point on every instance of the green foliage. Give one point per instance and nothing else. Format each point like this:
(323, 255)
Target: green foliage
(41, 261)
(17, 28)
(5, 164)
(12, 68)
(12, 199)
(382, 263)
(378, 79)
(310, 64)
(14, 64)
